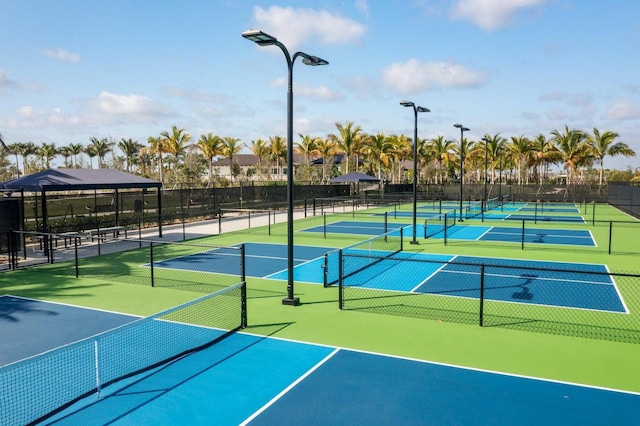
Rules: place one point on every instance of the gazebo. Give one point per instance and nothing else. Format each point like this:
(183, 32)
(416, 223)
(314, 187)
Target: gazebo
(81, 179)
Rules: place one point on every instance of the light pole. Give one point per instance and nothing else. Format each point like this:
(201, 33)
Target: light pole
(416, 110)
(462, 130)
(500, 180)
(263, 39)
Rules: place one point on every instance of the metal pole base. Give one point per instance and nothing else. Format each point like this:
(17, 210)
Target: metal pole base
(291, 302)
(415, 242)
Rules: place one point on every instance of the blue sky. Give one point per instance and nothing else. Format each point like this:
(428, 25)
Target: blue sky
(70, 70)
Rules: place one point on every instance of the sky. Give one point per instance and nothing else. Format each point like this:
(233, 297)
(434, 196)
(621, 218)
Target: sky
(75, 69)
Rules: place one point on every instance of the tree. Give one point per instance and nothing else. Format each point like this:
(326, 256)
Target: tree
(176, 143)
(379, 151)
(602, 146)
(157, 147)
(441, 150)
(327, 151)
(130, 148)
(543, 152)
(100, 147)
(573, 149)
(348, 140)
(278, 151)
(47, 152)
(306, 147)
(461, 150)
(520, 148)
(210, 146)
(230, 147)
(75, 149)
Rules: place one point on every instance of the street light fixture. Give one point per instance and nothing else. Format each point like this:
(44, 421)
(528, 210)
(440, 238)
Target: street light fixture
(263, 39)
(462, 130)
(416, 110)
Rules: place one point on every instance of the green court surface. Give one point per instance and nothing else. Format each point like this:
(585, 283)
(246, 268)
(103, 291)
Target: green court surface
(585, 361)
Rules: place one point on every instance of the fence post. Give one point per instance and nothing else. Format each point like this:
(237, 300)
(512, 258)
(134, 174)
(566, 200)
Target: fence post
(593, 215)
(386, 227)
(401, 239)
(151, 262)
(610, 234)
(481, 319)
(523, 221)
(269, 220)
(219, 221)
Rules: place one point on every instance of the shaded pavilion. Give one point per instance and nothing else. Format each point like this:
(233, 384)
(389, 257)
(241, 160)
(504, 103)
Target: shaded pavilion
(57, 180)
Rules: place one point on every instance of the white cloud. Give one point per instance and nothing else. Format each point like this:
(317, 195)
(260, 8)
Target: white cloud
(106, 109)
(320, 93)
(192, 95)
(61, 55)
(7, 83)
(491, 14)
(295, 26)
(621, 110)
(416, 76)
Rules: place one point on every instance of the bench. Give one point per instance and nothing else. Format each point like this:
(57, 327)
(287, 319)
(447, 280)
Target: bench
(103, 232)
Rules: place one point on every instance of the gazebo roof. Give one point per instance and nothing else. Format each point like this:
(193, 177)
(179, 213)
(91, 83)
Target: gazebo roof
(78, 179)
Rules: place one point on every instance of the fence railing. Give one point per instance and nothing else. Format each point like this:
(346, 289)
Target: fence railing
(593, 304)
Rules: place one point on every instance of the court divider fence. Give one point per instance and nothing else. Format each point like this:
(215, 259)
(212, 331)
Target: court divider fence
(592, 304)
(130, 260)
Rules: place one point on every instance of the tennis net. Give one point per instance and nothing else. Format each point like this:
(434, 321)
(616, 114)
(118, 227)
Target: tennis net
(36, 388)
(357, 258)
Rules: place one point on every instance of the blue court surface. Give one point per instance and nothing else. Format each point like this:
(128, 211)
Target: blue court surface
(261, 260)
(577, 237)
(248, 379)
(506, 280)
(519, 281)
(21, 322)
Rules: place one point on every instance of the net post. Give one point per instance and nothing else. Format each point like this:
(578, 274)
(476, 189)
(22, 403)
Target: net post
(243, 274)
(340, 280)
(593, 216)
(324, 225)
(522, 237)
(151, 261)
(535, 214)
(425, 228)
(243, 304)
(386, 224)
(75, 250)
(249, 218)
(219, 221)
(269, 220)
(325, 272)
(401, 239)
(481, 309)
(446, 225)
(610, 234)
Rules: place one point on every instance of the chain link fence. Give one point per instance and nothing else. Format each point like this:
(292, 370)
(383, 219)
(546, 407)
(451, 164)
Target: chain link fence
(585, 303)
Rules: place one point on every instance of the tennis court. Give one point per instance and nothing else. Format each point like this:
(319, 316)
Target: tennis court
(250, 379)
(463, 231)
(518, 281)
(261, 260)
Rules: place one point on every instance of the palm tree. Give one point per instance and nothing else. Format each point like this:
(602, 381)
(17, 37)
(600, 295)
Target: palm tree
(520, 147)
(176, 142)
(348, 141)
(462, 150)
(101, 147)
(261, 149)
(210, 146)
(573, 149)
(542, 153)
(66, 154)
(47, 152)
(278, 151)
(306, 147)
(130, 148)
(157, 146)
(230, 147)
(379, 151)
(75, 149)
(327, 150)
(441, 151)
(602, 145)
(401, 149)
